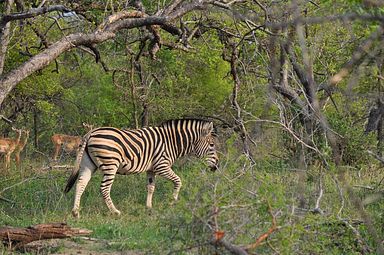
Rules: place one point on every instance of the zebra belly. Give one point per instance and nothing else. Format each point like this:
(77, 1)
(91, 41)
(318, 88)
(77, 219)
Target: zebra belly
(132, 168)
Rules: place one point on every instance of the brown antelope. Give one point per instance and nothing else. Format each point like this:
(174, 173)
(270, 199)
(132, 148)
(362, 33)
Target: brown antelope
(8, 146)
(20, 146)
(68, 142)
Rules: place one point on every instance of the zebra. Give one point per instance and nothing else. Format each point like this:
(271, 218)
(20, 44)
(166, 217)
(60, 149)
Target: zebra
(152, 150)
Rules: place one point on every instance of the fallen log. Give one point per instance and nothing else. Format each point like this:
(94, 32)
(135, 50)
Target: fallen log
(16, 238)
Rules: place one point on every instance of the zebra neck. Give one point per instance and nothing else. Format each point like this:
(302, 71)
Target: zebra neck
(188, 149)
(180, 141)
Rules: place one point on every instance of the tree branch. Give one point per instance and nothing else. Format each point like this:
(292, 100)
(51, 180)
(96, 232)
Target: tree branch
(317, 20)
(43, 59)
(265, 235)
(32, 13)
(106, 31)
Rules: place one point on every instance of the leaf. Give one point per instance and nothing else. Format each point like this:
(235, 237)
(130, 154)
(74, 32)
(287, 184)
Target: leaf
(219, 235)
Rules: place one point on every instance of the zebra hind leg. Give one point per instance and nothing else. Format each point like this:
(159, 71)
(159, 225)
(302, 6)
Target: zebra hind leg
(109, 171)
(86, 169)
(150, 188)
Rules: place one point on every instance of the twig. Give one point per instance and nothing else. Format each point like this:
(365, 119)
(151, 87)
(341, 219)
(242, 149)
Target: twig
(346, 223)
(6, 119)
(230, 247)
(32, 13)
(358, 206)
(19, 183)
(50, 167)
(359, 239)
(364, 187)
(264, 236)
(317, 208)
(376, 156)
(340, 195)
(7, 200)
(95, 239)
(218, 237)
(272, 248)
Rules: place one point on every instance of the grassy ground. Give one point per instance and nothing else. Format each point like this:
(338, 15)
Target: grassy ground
(241, 194)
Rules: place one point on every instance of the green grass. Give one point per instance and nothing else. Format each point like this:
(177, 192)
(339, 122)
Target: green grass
(242, 196)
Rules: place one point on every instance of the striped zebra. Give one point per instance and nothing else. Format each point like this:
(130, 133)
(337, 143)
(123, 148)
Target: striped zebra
(152, 150)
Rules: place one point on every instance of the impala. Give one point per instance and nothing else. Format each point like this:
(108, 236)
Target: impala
(69, 144)
(20, 146)
(8, 146)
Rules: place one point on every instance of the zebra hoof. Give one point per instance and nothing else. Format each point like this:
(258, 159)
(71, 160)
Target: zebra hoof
(76, 214)
(116, 213)
(150, 211)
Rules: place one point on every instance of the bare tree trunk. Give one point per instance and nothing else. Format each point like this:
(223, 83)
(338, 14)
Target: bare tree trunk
(4, 36)
(35, 129)
(380, 138)
(239, 122)
(145, 115)
(133, 93)
(380, 131)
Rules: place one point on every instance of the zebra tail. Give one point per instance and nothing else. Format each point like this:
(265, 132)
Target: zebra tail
(75, 170)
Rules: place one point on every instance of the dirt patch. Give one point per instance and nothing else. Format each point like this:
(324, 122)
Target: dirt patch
(71, 247)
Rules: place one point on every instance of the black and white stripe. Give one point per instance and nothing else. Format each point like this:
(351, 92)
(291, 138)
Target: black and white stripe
(152, 150)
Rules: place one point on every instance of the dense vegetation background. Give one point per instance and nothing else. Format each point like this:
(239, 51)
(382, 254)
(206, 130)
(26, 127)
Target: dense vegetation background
(295, 89)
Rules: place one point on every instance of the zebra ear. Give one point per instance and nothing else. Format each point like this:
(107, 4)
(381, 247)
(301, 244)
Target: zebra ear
(208, 128)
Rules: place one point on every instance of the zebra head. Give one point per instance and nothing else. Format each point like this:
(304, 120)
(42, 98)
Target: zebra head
(205, 146)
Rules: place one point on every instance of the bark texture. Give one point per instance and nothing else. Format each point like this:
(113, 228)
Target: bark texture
(17, 237)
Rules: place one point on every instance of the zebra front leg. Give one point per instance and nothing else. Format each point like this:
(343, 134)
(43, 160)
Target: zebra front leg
(150, 188)
(105, 187)
(170, 175)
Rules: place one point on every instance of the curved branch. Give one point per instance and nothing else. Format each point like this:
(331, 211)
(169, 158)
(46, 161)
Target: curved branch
(43, 59)
(32, 13)
(106, 31)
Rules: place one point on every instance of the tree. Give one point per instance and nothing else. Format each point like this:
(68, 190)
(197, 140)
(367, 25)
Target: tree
(106, 30)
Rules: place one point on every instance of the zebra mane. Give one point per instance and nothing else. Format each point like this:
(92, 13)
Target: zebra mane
(169, 122)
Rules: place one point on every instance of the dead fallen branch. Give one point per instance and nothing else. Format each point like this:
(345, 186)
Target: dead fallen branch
(264, 236)
(233, 249)
(51, 167)
(16, 238)
(219, 240)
